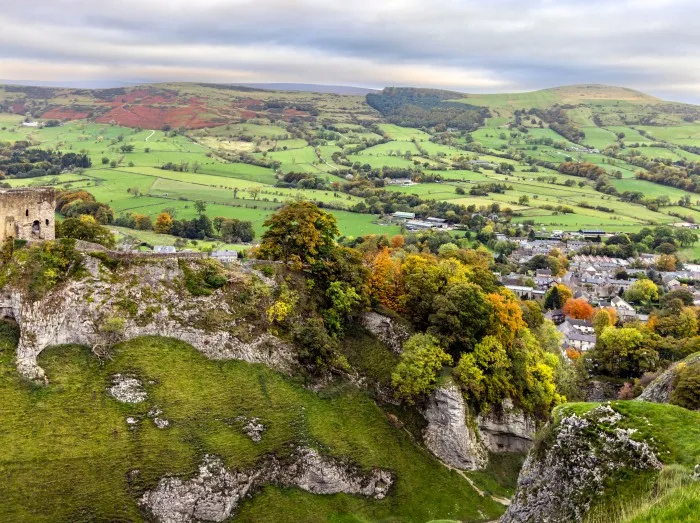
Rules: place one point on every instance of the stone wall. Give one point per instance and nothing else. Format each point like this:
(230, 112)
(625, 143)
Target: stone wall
(27, 214)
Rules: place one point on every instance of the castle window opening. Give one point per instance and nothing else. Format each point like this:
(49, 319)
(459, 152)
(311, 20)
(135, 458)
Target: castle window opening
(47, 222)
(27, 213)
(36, 227)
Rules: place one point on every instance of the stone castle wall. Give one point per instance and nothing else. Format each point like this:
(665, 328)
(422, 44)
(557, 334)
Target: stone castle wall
(27, 214)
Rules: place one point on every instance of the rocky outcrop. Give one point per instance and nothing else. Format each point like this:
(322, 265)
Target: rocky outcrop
(564, 475)
(127, 389)
(447, 435)
(386, 330)
(507, 429)
(215, 492)
(597, 390)
(659, 390)
(147, 298)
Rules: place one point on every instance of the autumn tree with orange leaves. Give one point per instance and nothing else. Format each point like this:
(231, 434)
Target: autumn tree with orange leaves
(578, 308)
(385, 280)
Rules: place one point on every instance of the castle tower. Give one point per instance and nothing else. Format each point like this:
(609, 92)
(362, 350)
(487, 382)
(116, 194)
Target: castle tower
(27, 214)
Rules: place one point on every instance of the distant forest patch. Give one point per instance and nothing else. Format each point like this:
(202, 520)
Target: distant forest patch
(410, 107)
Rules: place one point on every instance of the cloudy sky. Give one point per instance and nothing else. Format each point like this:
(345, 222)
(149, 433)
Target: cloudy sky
(468, 45)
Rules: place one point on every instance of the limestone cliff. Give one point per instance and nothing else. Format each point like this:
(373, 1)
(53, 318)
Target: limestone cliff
(462, 440)
(145, 298)
(659, 390)
(447, 434)
(576, 459)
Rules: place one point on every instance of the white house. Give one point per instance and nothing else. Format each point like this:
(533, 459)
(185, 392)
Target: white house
(164, 249)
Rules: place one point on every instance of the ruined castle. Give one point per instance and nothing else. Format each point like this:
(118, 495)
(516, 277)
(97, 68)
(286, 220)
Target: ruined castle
(27, 214)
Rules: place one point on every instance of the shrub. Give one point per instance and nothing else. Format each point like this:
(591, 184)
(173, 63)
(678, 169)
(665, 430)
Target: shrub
(687, 386)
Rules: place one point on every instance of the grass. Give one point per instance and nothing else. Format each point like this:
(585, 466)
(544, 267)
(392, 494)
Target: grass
(67, 448)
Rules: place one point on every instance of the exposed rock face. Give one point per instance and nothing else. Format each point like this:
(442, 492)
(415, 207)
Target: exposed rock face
(76, 311)
(386, 330)
(659, 390)
(216, 492)
(126, 389)
(597, 390)
(447, 435)
(560, 480)
(507, 429)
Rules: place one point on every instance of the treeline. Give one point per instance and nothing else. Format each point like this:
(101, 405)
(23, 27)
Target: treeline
(413, 107)
(77, 203)
(19, 161)
(559, 122)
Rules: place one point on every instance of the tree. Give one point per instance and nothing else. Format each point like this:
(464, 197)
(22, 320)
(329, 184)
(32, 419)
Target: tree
(235, 230)
(557, 296)
(416, 373)
(200, 206)
(254, 192)
(142, 222)
(642, 291)
(461, 316)
(682, 323)
(85, 228)
(578, 308)
(624, 353)
(484, 373)
(385, 280)
(532, 313)
(163, 223)
(604, 318)
(686, 392)
(299, 232)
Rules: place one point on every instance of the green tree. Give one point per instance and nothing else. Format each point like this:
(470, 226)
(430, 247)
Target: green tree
(484, 373)
(461, 316)
(85, 228)
(624, 353)
(200, 206)
(686, 391)
(642, 291)
(416, 373)
(299, 232)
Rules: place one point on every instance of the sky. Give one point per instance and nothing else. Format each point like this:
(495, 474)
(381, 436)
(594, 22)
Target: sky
(466, 45)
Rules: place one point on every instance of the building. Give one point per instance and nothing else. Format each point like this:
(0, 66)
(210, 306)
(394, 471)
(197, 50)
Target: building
(164, 249)
(625, 311)
(27, 214)
(420, 225)
(225, 256)
(398, 215)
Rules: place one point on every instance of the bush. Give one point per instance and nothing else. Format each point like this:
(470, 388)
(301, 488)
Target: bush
(686, 392)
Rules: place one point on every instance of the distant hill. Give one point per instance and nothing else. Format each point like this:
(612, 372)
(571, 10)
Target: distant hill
(312, 88)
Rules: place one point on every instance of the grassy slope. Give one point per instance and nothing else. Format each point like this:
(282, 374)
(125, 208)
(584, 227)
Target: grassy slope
(67, 448)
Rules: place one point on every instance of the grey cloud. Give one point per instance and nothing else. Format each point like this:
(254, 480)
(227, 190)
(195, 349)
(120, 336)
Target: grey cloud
(469, 45)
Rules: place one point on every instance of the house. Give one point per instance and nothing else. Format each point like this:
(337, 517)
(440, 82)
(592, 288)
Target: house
(556, 316)
(225, 256)
(625, 311)
(579, 341)
(164, 249)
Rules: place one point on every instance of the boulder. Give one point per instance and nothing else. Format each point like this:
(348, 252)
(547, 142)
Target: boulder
(659, 390)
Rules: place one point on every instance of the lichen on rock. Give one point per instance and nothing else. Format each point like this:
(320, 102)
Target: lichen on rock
(565, 473)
